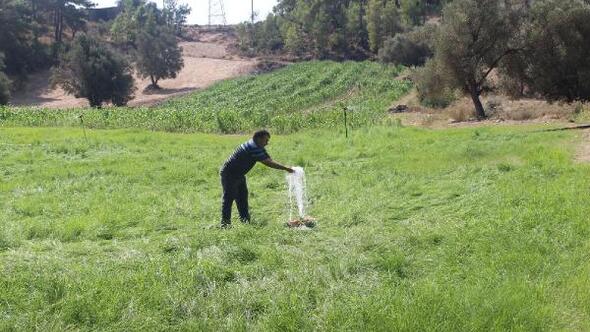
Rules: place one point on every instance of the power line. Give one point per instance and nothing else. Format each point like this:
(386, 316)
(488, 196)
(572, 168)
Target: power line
(216, 12)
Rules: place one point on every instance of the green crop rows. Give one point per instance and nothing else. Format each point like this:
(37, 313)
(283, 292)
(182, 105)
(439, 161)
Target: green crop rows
(305, 95)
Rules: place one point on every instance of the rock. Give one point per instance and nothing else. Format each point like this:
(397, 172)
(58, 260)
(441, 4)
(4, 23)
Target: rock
(399, 109)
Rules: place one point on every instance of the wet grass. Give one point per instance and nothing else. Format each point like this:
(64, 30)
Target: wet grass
(418, 230)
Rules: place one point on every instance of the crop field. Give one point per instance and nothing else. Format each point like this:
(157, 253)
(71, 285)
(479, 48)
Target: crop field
(304, 95)
(441, 230)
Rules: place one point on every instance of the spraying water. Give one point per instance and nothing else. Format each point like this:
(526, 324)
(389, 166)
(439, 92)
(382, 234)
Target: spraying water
(296, 186)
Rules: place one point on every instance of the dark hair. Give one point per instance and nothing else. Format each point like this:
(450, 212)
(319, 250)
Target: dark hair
(261, 133)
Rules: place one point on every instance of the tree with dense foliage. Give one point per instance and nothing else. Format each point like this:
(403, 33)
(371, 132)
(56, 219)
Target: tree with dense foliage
(125, 27)
(142, 29)
(558, 50)
(16, 36)
(260, 37)
(411, 48)
(158, 55)
(4, 83)
(383, 22)
(473, 39)
(93, 71)
(67, 13)
(338, 29)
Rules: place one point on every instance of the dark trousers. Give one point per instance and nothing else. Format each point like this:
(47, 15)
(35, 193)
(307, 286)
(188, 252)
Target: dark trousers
(234, 189)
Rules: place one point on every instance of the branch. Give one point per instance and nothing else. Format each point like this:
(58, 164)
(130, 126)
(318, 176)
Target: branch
(495, 63)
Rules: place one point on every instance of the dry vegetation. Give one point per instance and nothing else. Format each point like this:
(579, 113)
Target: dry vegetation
(500, 109)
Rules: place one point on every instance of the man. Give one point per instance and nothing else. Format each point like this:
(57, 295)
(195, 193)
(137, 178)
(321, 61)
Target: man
(233, 175)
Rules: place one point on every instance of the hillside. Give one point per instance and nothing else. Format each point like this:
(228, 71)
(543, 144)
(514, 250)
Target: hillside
(207, 60)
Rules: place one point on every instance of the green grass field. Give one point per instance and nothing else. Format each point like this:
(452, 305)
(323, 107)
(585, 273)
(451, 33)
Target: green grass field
(418, 230)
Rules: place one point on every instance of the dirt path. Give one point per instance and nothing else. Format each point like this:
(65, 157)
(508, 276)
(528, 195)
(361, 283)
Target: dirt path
(583, 154)
(205, 62)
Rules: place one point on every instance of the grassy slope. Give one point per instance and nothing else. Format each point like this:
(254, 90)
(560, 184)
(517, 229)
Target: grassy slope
(299, 96)
(464, 229)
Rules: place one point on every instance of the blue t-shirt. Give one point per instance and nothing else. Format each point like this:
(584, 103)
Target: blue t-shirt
(243, 159)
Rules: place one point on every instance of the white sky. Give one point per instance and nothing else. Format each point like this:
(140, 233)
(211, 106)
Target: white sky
(236, 11)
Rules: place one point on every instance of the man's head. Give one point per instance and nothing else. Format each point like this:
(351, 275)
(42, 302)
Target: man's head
(261, 137)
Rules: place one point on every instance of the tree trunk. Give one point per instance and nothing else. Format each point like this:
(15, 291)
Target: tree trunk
(61, 25)
(479, 111)
(154, 82)
(58, 24)
(55, 20)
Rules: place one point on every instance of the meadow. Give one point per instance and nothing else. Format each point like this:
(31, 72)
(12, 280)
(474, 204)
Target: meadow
(418, 230)
(109, 217)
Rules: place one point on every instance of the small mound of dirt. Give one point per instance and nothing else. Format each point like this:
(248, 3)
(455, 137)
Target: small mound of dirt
(266, 66)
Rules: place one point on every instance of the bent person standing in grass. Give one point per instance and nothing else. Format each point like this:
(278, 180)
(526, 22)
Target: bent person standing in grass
(233, 175)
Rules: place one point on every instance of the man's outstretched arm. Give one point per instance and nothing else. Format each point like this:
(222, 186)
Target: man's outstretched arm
(273, 164)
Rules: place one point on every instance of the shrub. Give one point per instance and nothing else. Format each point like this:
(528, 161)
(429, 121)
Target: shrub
(434, 85)
(408, 49)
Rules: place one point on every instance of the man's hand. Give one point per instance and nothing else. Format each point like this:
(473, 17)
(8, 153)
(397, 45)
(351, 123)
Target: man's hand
(273, 164)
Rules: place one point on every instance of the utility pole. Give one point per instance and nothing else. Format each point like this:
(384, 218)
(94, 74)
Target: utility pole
(252, 11)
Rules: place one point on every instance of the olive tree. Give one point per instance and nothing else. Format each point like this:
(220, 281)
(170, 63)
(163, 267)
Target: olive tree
(473, 39)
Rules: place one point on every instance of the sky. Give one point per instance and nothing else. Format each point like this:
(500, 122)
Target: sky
(236, 11)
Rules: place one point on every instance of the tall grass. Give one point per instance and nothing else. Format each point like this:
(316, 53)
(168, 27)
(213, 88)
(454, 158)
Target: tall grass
(305, 95)
(418, 230)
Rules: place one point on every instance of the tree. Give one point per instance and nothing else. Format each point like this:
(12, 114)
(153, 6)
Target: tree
(4, 83)
(158, 55)
(356, 29)
(95, 72)
(125, 26)
(383, 21)
(67, 11)
(15, 39)
(176, 15)
(557, 51)
(414, 11)
(142, 30)
(475, 36)
(271, 38)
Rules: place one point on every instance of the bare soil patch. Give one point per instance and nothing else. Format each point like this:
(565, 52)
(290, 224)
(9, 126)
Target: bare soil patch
(206, 61)
(583, 153)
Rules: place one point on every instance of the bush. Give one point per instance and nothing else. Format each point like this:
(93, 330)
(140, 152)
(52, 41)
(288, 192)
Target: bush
(95, 72)
(435, 85)
(411, 48)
